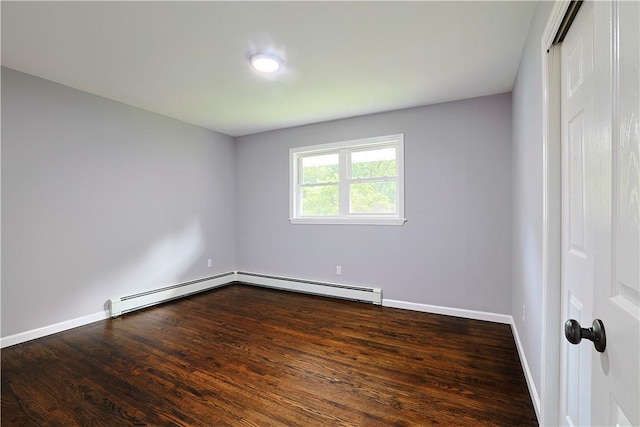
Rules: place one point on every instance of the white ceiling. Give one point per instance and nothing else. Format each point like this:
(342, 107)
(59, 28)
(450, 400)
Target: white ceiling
(188, 60)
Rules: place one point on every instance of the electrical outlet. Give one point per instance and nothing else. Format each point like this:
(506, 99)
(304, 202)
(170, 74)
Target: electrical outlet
(209, 262)
(338, 270)
(524, 312)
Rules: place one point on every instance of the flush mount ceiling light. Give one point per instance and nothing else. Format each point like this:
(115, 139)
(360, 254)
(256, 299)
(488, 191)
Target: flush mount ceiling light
(266, 62)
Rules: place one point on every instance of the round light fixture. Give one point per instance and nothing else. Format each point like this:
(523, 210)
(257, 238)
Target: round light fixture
(266, 62)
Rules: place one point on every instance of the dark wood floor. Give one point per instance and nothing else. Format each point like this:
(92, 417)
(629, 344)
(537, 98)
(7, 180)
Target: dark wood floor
(246, 356)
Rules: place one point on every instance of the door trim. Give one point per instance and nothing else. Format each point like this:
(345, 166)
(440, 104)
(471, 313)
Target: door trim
(551, 221)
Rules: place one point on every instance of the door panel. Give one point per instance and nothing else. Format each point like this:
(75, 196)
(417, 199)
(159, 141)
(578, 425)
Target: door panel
(577, 106)
(600, 61)
(616, 373)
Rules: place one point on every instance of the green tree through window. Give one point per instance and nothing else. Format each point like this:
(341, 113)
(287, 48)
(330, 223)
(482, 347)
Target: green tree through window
(345, 181)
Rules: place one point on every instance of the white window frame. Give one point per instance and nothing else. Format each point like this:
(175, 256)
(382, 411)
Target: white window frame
(344, 148)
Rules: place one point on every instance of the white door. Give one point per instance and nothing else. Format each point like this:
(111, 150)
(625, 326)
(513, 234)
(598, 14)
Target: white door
(616, 214)
(600, 82)
(577, 135)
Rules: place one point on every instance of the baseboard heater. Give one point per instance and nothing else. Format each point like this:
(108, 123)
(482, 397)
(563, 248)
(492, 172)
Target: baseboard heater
(129, 303)
(358, 293)
(126, 304)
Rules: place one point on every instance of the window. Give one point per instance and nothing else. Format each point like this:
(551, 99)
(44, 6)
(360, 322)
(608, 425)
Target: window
(351, 182)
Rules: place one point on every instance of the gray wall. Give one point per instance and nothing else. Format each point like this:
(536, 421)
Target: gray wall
(528, 196)
(454, 250)
(100, 199)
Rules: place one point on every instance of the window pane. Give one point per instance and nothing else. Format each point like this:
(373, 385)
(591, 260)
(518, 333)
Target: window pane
(376, 163)
(320, 169)
(319, 201)
(373, 197)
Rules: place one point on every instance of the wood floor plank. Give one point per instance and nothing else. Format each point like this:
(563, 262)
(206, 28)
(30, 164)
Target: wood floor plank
(247, 356)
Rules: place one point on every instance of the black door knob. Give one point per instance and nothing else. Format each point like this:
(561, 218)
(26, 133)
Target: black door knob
(574, 333)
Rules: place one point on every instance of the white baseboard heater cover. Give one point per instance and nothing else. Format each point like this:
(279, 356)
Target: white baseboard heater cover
(358, 293)
(129, 303)
(126, 304)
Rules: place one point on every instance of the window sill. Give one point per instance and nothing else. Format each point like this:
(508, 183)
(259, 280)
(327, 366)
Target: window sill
(349, 221)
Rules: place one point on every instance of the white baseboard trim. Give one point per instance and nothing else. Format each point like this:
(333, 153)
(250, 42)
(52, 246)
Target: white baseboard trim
(535, 397)
(336, 290)
(480, 315)
(52, 329)
(149, 298)
(449, 311)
